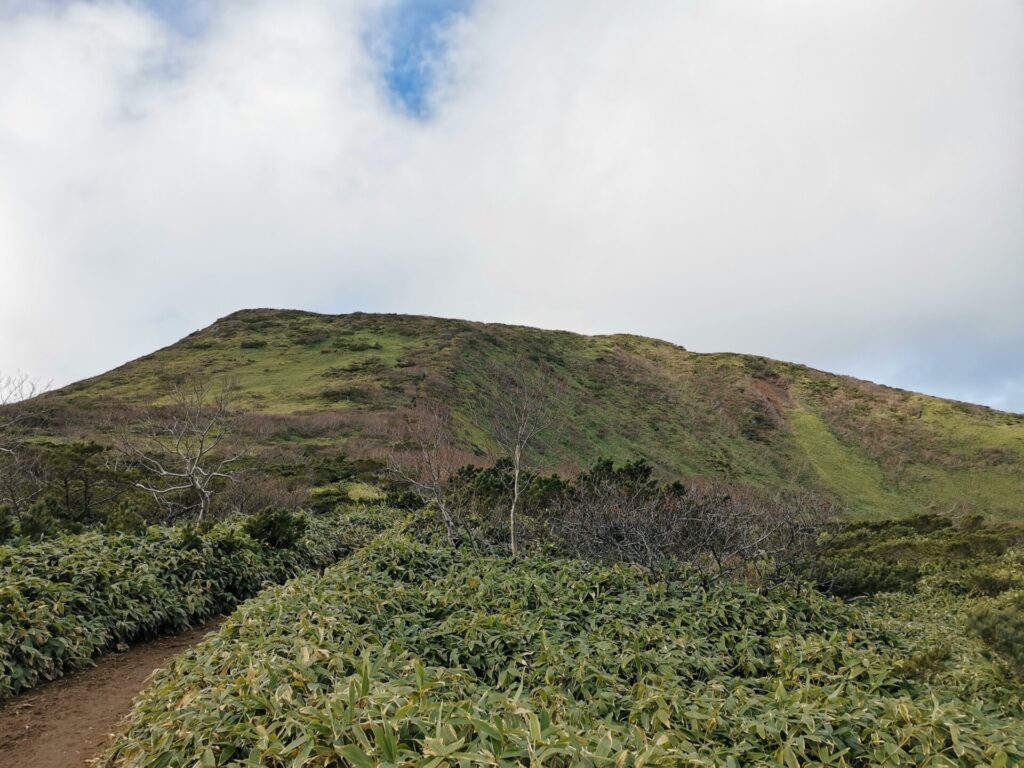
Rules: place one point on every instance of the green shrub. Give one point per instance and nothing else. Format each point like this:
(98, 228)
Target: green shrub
(328, 497)
(358, 346)
(124, 519)
(900, 555)
(415, 656)
(989, 582)
(311, 338)
(277, 528)
(8, 523)
(1000, 623)
(403, 498)
(857, 576)
(44, 518)
(69, 597)
(339, 394)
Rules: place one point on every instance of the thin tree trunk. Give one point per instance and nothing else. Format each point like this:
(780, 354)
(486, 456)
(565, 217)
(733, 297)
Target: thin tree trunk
(204, 505)
(515, 500)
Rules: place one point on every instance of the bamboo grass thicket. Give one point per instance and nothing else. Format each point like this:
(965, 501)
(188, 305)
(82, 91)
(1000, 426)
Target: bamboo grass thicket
(66, 599)
(421, 655)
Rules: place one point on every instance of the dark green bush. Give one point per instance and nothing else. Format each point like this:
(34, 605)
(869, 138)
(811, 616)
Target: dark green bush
(327, 498)
(404, 499)
(124, 519)
(277, 528)
(358, 346)
(311, 338)
(330, 469)
(958, 557)
(989, 582)
(341, 394)
(45, 518)
(856, 576)
(190, 537)
(1000, 623)
(8, 523)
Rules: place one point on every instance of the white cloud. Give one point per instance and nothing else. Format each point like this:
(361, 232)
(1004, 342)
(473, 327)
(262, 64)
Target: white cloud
(833, 183)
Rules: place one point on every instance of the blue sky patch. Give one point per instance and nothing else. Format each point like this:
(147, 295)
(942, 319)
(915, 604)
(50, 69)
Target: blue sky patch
(406, 39)
(409, 41)
(184, 16)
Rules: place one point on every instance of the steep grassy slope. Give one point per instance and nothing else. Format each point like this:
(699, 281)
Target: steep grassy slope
(320, 382)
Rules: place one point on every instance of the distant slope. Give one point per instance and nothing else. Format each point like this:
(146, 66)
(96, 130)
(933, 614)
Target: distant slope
(321, 381)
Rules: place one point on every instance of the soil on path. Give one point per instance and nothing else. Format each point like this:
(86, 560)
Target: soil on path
(67, 723)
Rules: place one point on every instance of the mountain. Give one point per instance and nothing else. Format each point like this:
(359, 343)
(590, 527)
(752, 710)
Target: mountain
(316, 383)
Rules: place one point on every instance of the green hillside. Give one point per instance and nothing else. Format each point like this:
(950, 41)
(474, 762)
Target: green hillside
(320, 383)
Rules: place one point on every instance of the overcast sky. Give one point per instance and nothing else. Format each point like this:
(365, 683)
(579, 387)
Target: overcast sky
(832, 182)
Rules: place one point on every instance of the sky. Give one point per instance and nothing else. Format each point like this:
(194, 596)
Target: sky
(838, 183)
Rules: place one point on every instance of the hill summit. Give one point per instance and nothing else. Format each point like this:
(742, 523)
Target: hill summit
(330, 382)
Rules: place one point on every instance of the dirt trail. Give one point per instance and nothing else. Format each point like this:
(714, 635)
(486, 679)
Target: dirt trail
(67, 723)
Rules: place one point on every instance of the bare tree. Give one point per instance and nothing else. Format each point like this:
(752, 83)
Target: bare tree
(610, 520)
(186, 449)
(16, 391)
(719, 529)
(731, 528)
(517, 414)
(427, 458)
(20, 483)
(260, 492)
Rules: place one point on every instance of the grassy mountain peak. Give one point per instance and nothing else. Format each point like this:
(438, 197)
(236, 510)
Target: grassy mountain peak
(320, 382)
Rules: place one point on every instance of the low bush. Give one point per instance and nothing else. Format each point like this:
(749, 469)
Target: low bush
(67, 598)
(989, 582)
(973, 567)
(340, 394)
(960, 557)
(44, 518)
(853, 576)
(8, 523)
(1000, 623)
(623, 513)
(124, 519)
(277, 528)
(414, 655)
(327, 497)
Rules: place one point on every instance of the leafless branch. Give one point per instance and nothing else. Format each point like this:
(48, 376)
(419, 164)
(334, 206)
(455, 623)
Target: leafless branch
(186, 448)
(426, 457)
(19, 482)
(517, 413)
(717, 528)
(17, 391)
